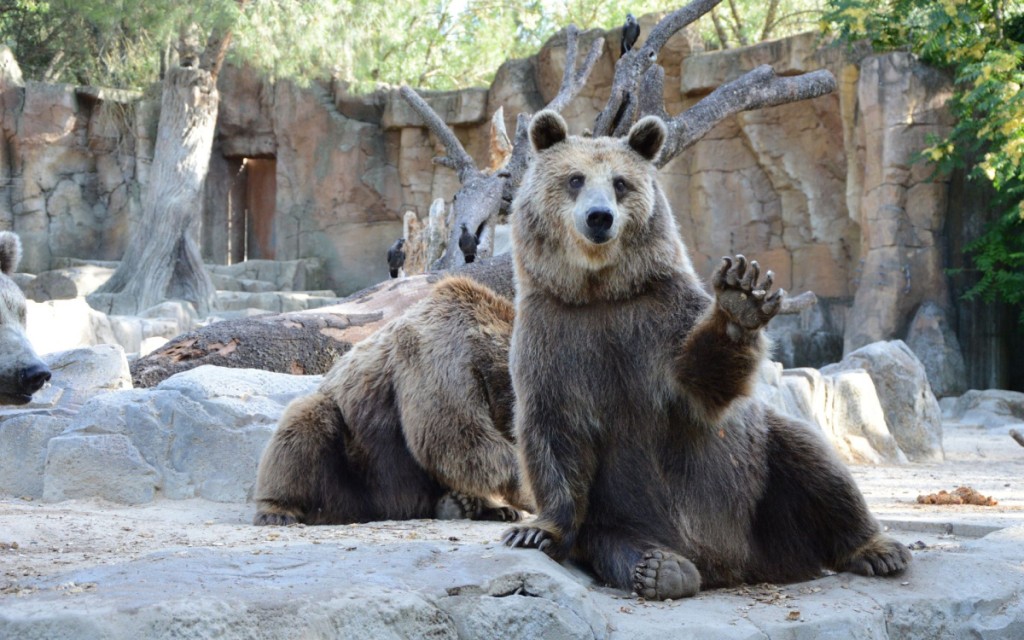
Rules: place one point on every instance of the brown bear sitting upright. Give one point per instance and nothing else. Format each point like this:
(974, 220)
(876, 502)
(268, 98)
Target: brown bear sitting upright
(647, 457)
(413, 422)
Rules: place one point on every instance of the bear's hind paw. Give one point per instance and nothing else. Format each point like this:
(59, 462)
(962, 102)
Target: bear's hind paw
(663, 575)
(528, 538)
(882, 556)
(271, 518)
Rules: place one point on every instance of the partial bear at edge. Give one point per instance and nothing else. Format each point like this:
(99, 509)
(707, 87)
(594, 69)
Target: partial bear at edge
(22, 373)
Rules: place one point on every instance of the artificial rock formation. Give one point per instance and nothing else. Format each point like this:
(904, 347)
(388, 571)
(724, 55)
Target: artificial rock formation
(824, 190)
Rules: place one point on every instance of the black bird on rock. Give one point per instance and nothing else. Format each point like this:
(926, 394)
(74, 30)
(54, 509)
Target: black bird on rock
(467, 244)
(630, 32)
(396, 257)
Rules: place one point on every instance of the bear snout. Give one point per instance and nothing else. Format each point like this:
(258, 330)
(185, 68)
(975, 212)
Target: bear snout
(599, 224)
(33, 377)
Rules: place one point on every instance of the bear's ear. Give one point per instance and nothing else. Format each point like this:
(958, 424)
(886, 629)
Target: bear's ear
(547, 129)
(10, 252)
(647, 136)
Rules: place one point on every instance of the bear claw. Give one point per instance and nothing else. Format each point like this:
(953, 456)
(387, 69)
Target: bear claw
(745, 300)
(663, 575)
(528, 538)
(882, 556)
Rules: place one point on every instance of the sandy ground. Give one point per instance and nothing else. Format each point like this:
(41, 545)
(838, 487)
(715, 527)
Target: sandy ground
(39, 540)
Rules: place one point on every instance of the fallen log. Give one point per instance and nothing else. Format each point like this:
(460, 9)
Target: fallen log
(305, 342)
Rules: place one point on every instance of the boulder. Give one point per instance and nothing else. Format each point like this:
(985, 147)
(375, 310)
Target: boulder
(59, 325)
(78, 375)
(910, 407)
(107, 466)
(990, 408)
(23, 440)
(934, 343)
(66, 283)
(51, 285)
(847, 408)
(202, 432)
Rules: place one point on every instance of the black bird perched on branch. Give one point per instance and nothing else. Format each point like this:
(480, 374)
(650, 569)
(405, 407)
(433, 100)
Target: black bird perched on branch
(396, 257)
(467, 244)
(630, 32)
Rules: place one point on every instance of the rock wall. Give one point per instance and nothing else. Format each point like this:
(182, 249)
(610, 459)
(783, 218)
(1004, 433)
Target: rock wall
(824, 192)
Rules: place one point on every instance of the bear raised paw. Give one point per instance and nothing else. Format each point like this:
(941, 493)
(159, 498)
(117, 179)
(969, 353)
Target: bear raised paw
(647, 456)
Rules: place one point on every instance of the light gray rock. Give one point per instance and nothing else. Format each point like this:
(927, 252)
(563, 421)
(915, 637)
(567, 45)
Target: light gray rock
(61, 325)
(106, 466)
(990, 408)
(935, 344)
(857, 422)
(51, 285)
(23, 440)
(910, 407)
(166, 320)
(78, 375)
(283, 275)
(68, 282)
(344, 588)
(81, 374)
(277, 301)
(202, 430)
(846, 407)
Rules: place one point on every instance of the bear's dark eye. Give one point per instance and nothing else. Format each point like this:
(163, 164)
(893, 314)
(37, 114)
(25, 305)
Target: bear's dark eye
(576, 181)
(621, 186)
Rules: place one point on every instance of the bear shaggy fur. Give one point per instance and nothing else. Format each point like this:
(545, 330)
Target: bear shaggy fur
(645, 453)
(22, 373)
(413, 422)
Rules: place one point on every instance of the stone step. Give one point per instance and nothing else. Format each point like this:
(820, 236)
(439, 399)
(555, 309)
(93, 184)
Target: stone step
(277, 301)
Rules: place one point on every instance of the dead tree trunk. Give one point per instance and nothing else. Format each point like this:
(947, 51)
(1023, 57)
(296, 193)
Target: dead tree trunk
(162, 259)
(636, 91)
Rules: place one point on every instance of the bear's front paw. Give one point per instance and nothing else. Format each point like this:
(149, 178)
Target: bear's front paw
(738, 293)
(663, 575)
(882, 556)
(529, 538)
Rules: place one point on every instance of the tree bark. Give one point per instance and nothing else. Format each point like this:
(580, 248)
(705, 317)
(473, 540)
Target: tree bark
(162, 259)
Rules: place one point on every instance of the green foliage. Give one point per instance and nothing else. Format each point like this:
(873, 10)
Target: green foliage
(979, 41)
(434, 44)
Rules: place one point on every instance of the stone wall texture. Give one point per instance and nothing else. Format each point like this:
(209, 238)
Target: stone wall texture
(824, 192)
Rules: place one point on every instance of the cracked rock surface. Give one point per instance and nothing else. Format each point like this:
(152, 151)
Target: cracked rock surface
(198, 569)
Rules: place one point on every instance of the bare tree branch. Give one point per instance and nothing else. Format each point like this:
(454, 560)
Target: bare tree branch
(574, 78)
(633, 66)
(755, 89)
(457, 159)
(652, 94)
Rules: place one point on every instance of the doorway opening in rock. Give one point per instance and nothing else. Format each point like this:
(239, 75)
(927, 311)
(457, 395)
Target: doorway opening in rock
(251, 206)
